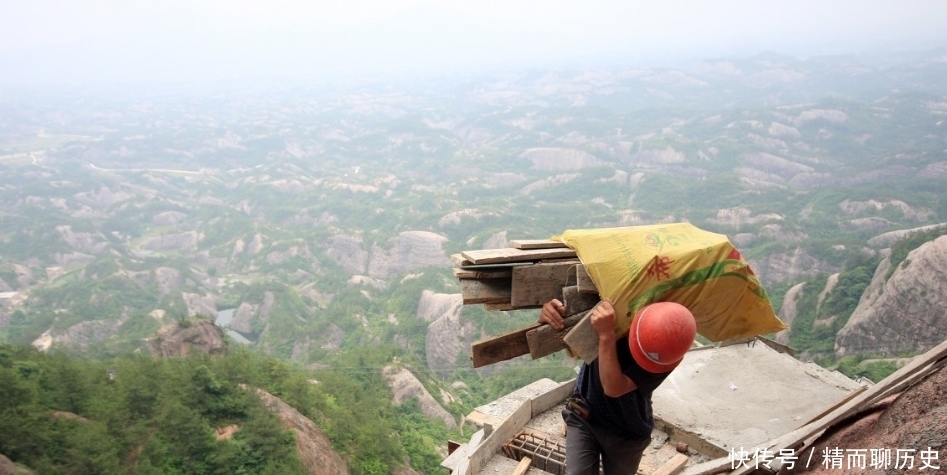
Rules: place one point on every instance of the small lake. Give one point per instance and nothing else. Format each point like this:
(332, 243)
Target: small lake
(223, 319)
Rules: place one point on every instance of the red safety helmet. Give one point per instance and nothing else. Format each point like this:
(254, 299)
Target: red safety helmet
(660, 334)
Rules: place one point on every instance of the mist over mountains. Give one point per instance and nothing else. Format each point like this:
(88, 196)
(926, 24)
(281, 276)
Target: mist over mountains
(310, 211)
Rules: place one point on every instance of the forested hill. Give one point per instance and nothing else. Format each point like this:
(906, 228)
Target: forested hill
(203, 414)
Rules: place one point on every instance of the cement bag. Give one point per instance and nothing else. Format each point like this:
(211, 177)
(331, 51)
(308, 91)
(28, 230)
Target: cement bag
(635, 266)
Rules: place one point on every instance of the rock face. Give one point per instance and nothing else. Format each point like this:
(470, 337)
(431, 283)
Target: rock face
(788, 311)
(432, 306)
(446, 338)
(83, 334)
(205, 305)
(315, 450)
(87, 242)
(176, 340)
(247, 313)
(789, 266)
(243, 317)
(181, 241)
(7, 467)
(904, 312)
(891, 237)
(347, 252)
(560, 159)
(410, 250)
(405, 385)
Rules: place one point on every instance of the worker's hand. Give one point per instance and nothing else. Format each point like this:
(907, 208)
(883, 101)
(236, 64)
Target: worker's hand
(552, 313)
(603, 320)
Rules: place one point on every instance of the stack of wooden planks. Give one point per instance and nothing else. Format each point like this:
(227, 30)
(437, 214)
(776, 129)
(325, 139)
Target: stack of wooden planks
(524, 276)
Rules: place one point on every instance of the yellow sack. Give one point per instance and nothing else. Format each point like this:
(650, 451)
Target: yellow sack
(636, 266)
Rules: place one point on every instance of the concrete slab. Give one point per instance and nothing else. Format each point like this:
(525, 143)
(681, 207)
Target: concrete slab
(743, 395)
(504, 406)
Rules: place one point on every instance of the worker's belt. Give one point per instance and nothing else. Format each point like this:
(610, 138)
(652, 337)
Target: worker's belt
(577, 404)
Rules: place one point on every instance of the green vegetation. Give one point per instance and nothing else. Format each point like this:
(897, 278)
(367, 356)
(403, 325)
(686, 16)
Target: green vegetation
(816, 323)
(160, 416)
(900, 250)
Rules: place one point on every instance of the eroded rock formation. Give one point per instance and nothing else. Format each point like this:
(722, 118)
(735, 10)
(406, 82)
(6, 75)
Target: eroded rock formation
(314, 448)
(405, 385)
(179, 339)
(903, 312)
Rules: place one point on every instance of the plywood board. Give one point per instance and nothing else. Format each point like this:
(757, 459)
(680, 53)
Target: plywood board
(500, 348)
(536, 244)
(485, 291)
(496, 256)
(537, 284)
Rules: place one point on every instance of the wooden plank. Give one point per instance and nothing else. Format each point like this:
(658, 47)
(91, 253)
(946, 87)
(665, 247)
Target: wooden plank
(462, 454)
(546, 340)
(485, 291)
(777, 346)
(501, 307)
(584, 281)
(582, 339)
(522, 467)
(480, 419)
(497, 256)
(539, 283)
(536, 244)
(482, 274)
(845, 399)
(500, 348)
(459, 260)
(577, 302)
(550, 399)
(711, 467)
(907, 373)
(896, 388)
(500, 435)
(673, 466)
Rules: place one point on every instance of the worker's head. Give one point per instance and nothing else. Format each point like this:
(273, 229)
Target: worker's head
(660, 334)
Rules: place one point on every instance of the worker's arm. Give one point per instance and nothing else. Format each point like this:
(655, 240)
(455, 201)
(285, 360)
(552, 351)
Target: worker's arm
(614, 381)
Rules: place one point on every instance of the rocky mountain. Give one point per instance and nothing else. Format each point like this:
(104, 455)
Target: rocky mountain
(319, 221)
(185, 337)
(903, 308)
(312, 444)
(404, 385)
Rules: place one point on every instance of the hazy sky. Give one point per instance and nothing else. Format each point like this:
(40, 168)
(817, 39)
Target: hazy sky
(52, 41)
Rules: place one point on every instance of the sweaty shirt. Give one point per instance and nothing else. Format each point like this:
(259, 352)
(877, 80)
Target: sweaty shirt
(629, 415)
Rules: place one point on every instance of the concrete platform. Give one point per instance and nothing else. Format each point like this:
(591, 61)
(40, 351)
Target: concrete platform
(745, 394)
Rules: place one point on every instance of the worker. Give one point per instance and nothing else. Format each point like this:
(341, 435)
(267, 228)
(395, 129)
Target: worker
(609, 416)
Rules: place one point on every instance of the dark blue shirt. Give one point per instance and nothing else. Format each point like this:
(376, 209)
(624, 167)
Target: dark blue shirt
(629, 415)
